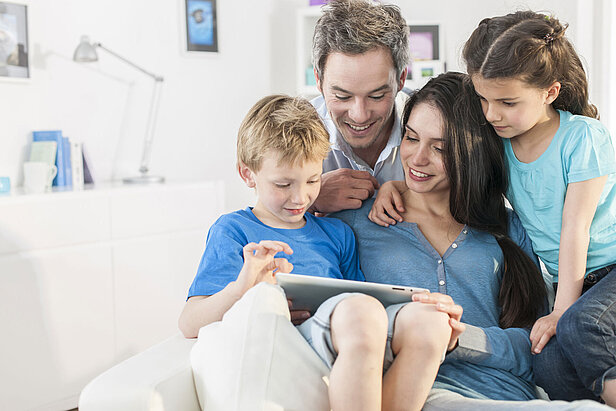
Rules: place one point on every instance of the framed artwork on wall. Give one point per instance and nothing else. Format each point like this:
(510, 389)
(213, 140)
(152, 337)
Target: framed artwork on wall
(14, 41)
(427, 54)
(201, 26)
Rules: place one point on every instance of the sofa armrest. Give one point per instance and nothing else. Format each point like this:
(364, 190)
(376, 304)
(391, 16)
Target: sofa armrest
(156, 379)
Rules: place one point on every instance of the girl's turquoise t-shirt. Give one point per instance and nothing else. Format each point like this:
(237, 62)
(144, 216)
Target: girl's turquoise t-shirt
(581, 149)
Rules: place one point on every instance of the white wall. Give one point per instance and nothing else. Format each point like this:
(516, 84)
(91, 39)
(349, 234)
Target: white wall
(205, 95)
(105, 104)
(590, 30)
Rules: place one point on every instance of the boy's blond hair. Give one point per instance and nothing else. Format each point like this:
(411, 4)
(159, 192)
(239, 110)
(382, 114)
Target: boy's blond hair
(289, 125)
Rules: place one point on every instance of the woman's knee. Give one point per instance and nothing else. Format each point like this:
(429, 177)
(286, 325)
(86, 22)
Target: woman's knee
(359, 321)
(421, 327)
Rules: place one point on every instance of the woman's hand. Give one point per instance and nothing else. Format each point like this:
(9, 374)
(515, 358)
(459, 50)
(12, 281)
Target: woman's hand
(444, 303)
(388, 201)
(544, 329)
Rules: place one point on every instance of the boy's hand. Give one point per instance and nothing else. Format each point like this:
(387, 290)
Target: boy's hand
(344, 189)
(260, 264)
(445, 304)
(388, 201)
(543, 329)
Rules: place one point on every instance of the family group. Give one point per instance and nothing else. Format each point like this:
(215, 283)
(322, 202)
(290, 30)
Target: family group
(481, 176)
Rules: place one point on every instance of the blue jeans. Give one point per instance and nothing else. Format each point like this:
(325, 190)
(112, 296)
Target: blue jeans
(582, 354)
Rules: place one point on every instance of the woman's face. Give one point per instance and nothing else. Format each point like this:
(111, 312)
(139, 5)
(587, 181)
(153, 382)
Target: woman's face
(421, 150)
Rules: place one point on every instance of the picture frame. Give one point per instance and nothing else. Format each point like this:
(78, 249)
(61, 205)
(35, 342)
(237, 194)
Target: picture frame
(427, 53)
(201, 25)
(14, 46)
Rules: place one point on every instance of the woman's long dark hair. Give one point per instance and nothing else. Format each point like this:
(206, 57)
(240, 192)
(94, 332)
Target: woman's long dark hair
(474, 162)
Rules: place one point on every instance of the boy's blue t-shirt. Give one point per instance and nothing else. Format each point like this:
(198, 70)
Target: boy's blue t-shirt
(581, 149)
(324, 247)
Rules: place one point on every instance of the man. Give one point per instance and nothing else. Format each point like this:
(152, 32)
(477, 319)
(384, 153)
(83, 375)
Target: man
(360, 52)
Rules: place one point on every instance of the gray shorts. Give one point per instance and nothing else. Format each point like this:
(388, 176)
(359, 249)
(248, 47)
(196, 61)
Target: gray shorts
(317, 330)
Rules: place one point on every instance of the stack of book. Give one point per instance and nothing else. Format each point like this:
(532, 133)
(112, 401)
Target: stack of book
(51, 146)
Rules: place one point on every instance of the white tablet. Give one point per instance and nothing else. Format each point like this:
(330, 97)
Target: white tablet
(309, 292)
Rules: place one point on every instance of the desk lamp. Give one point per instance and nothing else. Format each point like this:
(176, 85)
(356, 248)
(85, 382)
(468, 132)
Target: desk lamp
(86, 53)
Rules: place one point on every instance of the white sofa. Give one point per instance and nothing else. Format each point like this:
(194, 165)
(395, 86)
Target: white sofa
(252, 360)
(159, 378)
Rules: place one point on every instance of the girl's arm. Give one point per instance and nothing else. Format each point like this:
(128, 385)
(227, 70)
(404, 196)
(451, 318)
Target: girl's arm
(578, 212)
(388, 203)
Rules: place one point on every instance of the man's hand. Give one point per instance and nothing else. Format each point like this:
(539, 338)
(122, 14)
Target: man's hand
(259, 263)
(344, 189)
(444, 303)
(543, 329)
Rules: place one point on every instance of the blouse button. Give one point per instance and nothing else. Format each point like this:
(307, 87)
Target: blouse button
(465, 231)
(442, 282)
(440, 261)
(454, 245)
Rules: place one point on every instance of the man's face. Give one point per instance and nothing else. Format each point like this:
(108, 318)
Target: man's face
(359, 92)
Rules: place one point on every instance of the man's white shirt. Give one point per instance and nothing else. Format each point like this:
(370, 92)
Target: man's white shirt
(388, 166)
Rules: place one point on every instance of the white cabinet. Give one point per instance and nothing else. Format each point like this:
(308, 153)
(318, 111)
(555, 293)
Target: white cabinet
(90, 278)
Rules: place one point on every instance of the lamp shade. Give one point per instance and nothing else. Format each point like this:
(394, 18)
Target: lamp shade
(85, 51)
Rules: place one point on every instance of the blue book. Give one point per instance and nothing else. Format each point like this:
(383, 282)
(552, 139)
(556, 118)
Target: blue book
(54, 135)
(68, 174)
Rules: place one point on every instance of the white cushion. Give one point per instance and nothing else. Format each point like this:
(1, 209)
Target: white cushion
(256, 359)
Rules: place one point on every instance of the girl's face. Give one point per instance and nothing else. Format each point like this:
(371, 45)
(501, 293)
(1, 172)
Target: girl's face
(421, 150)
(512, 106)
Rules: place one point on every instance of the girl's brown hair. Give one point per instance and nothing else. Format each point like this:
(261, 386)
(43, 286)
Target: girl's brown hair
(531, 47)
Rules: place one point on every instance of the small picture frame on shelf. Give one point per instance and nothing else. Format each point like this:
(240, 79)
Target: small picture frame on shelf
(201, 26)
(427, 54)
(14, 48)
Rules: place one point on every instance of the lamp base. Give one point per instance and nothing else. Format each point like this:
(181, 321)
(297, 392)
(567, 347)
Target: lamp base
(144, 179)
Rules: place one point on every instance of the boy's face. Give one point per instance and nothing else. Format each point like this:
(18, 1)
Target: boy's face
(284, 191)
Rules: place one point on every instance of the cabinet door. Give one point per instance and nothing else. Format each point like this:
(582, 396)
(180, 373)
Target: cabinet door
(152, 277)
(158, 239)
(56, 317)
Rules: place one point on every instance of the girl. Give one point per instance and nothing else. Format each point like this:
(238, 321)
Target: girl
(534, 92)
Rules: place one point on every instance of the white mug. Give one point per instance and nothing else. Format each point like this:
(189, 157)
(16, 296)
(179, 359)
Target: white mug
(38, 176)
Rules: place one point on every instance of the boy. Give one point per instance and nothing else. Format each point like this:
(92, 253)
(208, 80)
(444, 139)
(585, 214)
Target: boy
(281, 147)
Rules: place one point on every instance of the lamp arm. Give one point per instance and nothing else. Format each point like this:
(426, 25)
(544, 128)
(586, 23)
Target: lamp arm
(149, 132)
(154, 76)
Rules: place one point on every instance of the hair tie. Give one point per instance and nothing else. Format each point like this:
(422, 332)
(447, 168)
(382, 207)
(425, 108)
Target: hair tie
(548, 38)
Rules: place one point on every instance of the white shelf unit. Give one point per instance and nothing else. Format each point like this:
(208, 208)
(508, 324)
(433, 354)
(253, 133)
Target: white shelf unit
(306, 21)
(90, 278)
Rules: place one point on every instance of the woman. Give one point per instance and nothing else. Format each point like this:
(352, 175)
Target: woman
(457, 238)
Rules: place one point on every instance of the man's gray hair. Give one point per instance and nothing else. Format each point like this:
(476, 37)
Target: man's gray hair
(358, 26)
